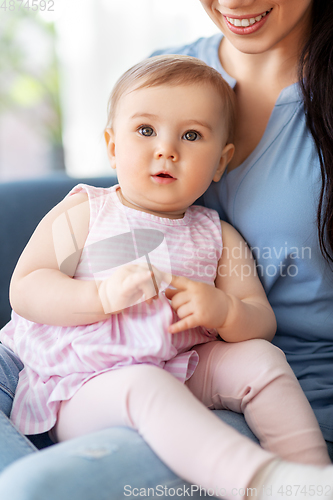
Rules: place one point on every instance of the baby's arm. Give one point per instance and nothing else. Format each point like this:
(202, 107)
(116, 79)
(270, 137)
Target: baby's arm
(237, 306)
(39, 291)
(249, 312)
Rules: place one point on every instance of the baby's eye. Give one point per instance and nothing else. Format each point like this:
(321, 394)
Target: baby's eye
(191, 135)
(146, 131)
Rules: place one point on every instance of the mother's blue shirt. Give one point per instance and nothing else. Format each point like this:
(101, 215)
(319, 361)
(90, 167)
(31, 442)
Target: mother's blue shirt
(272, 198)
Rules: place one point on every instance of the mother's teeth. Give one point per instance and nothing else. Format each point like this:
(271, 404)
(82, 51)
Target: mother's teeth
(245, 22)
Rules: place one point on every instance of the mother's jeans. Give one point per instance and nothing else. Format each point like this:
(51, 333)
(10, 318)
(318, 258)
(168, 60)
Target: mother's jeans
(111, 464)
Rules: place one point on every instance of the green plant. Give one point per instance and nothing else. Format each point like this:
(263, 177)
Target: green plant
(27, 88)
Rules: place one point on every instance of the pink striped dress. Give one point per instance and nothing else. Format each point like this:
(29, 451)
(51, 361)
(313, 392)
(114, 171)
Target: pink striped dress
(59, 360)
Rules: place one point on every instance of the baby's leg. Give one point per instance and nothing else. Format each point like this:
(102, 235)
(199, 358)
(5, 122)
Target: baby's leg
(254, 378)
(190, 439)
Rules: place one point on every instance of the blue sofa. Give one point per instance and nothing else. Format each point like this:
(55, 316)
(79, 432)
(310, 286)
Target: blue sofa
(22, 205)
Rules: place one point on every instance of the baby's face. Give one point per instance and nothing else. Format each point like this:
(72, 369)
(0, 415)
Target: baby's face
(168, 144)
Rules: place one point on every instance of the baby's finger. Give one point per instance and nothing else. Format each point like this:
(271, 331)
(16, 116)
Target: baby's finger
(179, 299)
(183, 324)
(179, 282)
(170, 293)
(185, 310)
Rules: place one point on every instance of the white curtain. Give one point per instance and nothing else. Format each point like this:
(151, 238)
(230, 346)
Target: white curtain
(98, 41)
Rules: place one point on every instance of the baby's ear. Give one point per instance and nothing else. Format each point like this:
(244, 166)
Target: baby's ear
(226, 156)
(110, 146)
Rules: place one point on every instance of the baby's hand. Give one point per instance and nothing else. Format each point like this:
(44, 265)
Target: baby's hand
(197, 304)
(128, 285)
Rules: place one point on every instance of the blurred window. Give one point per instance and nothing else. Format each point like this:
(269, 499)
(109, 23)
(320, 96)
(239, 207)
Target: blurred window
(30, 112)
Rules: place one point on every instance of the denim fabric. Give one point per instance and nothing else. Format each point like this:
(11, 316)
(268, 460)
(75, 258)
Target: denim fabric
(95, 467)
(330, 449)
(13, 444)
(10, 367)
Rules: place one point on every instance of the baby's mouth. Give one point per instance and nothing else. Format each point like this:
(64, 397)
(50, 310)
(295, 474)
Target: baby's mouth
(164, 175)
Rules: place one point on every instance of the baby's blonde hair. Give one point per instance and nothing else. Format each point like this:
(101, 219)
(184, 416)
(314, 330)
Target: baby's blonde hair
(173, 70)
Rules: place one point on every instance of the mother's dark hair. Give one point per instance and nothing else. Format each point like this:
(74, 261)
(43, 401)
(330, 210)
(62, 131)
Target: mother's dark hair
(316, 80)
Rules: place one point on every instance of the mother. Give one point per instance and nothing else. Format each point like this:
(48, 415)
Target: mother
(278, 192)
